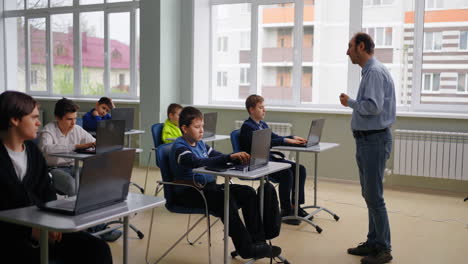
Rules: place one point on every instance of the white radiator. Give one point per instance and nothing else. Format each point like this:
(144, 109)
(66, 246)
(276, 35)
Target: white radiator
(431, 154)
(282, 129)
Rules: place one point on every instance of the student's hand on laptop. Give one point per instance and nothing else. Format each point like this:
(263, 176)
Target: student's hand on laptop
(243, 157)
(302, 140)
(86, 145)
(295, 141)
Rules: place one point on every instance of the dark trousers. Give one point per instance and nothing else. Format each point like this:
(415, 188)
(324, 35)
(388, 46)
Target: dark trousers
(74, 248)
(241, 197)
(287, 181)
(372, 152)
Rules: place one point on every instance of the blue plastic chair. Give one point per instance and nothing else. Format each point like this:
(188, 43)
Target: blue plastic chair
(156, 132)
(163, 161)
(235, 140)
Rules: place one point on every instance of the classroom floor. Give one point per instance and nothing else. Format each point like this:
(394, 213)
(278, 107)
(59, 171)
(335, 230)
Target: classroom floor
(427, 227)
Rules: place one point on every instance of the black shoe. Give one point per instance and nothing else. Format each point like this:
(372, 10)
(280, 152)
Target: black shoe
(383, 256)
(111, 236)
(363, 249)
(263, 250)
(303, 213)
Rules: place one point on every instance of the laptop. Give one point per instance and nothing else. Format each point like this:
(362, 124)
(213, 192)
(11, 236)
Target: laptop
(104, 181)
(125, 114)
(209, 127)
(109, 137)
(315, 133)
(259, 153)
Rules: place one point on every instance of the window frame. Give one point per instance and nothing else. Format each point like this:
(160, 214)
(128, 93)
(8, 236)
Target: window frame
(76, 9)
(413, 102)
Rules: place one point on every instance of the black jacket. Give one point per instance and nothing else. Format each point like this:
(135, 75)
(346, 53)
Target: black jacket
(36, 187)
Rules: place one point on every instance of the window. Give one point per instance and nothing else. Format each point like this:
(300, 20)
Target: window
(377, 2)
(432, 40)
(244, 76)
(462, 84)
(295, 58)
(434, 4)
(48, 59)
(463, 40)
(382, 36)
(222, 44)
(221, 79)
(431, 82)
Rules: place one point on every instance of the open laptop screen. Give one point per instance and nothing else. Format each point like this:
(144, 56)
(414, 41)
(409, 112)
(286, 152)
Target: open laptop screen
(209, 127)
(125, 114)
(260, 150)
(110, 135)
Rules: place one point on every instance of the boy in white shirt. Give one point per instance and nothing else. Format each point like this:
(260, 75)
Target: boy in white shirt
(62, 135)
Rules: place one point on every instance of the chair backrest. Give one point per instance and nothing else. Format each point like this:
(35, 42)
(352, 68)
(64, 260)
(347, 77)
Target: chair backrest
(163, 161)
(235, 140)
(163, 155)
(79, 121)
(156, 130)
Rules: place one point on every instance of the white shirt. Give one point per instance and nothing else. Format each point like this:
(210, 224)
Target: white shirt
(20, 162)
(52, 140)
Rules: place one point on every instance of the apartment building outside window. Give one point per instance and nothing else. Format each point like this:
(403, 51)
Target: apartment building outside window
(296, 58)
(67, 47)
(432, 40)
(462, 86)
(431, 82)
(463, 43)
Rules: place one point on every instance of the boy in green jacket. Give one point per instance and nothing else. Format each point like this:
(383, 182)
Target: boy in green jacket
(171, 126)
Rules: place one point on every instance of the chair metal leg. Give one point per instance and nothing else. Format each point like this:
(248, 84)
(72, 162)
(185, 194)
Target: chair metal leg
(201, 235)
(147, 170)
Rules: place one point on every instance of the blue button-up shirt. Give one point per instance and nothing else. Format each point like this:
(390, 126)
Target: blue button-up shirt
(375, 104)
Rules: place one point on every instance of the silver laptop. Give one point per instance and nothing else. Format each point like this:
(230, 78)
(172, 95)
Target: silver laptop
(110, 136)
(126, 114)
(104, 181)
(209, 127)
(259, 153)
(315, 133)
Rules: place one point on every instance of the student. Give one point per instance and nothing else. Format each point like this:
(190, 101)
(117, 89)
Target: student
(62, 135)
(171, 129)
(286, 178)
(189, 152)
(100, 112)
(24, 181)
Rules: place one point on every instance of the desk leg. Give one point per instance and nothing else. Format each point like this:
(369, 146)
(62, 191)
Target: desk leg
(77, 175)
(125, 240)
(296, 185)
(226, 220)
(129, 141)
(262, 196)
(317, 207)
(44, 244)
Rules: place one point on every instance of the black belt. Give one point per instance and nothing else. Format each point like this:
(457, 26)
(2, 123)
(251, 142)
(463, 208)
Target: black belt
(363, 133)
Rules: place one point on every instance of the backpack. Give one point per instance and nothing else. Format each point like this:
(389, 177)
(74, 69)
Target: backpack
(271, 211)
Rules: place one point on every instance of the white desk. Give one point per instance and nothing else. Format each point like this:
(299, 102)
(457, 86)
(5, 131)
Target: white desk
(45, 221)
(272, 167)
(321, 147)
(77, 157)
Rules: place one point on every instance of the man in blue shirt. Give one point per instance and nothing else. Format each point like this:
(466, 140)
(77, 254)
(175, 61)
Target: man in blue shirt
(189, 152)
(374, 111)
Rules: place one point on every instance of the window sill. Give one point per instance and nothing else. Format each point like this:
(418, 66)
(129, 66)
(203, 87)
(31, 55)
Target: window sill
(347, 111)
(87, 100)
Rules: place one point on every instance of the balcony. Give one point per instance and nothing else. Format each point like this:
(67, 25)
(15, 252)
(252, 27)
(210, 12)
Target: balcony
(277, 55)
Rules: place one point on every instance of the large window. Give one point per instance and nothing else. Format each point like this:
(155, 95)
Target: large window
(67, 47)
(293, 52)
